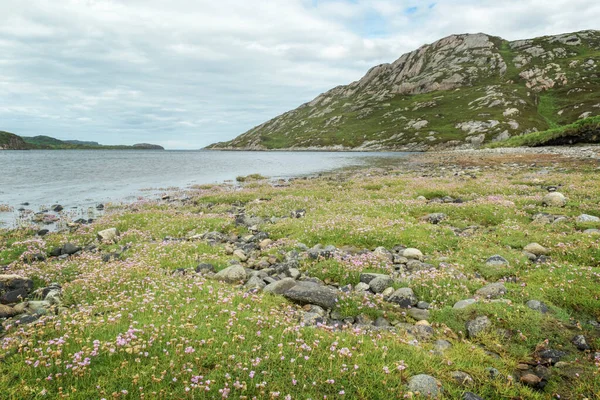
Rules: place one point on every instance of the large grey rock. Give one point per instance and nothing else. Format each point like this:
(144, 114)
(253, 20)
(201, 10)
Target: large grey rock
(310, 293)
(492, 291)
(379, 284)
(404, 297)
(367, 277)
(459, 305)
(233, 274)
(581, 343)
(425, 385)
(69, 249)
(418, 314)
(537, 305)
(280, 287)
(108, 235)
(383, 253)
(478, 325)
(412, 254)
(554, 199)
(587, 218)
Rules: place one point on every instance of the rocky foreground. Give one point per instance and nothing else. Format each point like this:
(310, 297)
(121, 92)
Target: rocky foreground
(469, 275)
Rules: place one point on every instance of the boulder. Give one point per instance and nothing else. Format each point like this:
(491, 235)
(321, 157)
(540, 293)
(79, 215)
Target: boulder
(379, 284)
(536, 249)
(311, 293)
(404, 297)
(14, 296)
(108, 235)
(204, 268)
(554, 199)
(255, 283)
(492, 291)
(418, 314)
(367, 277)
(240, 255)
(7, 311)
(478, 325)
(383, 253)
(583, 218)
(459, 305)
(412, 254)
(280, 287)
(233, 274)
(425, 385)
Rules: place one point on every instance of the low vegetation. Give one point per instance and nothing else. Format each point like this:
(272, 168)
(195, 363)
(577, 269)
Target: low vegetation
(144, 325)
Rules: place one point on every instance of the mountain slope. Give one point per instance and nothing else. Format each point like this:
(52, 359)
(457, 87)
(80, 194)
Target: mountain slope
(10, 141)
(462, 90)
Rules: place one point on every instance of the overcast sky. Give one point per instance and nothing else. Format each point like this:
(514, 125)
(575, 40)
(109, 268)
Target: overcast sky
(186, 73)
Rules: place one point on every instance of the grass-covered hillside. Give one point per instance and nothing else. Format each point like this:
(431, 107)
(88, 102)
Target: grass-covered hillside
(173, 304)
(10, 141)
(581, 132)
(463, 90)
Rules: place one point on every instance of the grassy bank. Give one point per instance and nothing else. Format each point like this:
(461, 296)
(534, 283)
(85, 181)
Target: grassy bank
(584, 131)
(132, 328)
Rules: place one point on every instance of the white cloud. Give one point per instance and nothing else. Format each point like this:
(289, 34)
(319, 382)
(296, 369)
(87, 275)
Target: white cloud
(186, 73)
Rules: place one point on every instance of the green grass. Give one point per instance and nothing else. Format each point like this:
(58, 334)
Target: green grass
(584, 131)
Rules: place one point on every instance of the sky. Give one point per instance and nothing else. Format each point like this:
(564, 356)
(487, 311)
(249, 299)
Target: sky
(187, 73)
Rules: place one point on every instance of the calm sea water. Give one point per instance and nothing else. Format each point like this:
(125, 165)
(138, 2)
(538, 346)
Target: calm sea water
(78, 179)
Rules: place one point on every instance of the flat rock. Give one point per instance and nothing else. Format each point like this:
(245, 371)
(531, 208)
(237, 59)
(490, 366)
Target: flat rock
(425, 385)
(536, 249)
(587, 218)
(367, 277)
(496, 261)
(280, 287)
(309, 293)
(233, 274)
(537, 305)
(492, 291)
(404, 297)
(459, 305)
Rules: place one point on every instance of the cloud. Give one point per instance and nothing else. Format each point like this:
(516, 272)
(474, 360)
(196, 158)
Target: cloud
(185, 73)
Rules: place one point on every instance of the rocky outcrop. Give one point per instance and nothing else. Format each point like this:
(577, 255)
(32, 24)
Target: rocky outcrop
(463, 90)
(10, 141)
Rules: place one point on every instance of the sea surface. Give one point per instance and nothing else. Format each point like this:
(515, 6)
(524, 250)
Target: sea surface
(81, 179)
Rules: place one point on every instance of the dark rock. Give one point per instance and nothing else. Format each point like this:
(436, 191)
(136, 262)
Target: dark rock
(110, 257)
(70, 249)
(279, 287)
(581, 343)
(14, 296)
(471, 396)
(381, 323)
(552, 356)
(309, 293)
(28, 319)
(435, 218)
(367, 277)
(55, 252)
(100, 207)
(57, 208)
(298, 213)
(204, 268)
(42, 232)
(404, 297)
(496, 261)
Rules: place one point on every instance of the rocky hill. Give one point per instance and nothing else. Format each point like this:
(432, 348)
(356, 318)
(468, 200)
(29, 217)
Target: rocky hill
(10, 141)
(460, 91)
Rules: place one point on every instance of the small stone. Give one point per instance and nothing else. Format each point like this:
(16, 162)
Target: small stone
(442, 345)
(381, 322)
(240, 255)
(255, 283)
(361, 287)
(108, 235)
(459, 305)
(404, 297)
(265, 243)
(380, 283)
(471, 396)
(383, 253)
(312, 318)
(425, 385)
(492, 291)
(492, 372)
(537, 249)
(70, 249)
(294, 273)
(530, 380)
(423, 305)
(387, 292)
(462, 378)
(478, 325)
(233, 274)
(435, 218)
(367, 277)
(496, 261)
(412, 254)
(554, 199)
(418, 314)
(280, 287)
(551, 355)
(7, 311)
(581, 343)
(363, 319)
(537, 305)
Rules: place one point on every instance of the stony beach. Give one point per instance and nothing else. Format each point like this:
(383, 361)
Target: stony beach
(470, 274)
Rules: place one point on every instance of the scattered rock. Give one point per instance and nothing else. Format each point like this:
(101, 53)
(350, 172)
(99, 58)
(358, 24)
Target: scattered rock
(459, 305)
(418, 314)
(425, 385)
(530, 380)
(380, 283)
(367, 277)
(240, 255)
(583, 218)
(537, 305)
(471, 396)
(255, 283)
(7, 311)
(233, 274)
(492, 291)
(478, 325)
(496, 261)
(280, 287)
(310, 293)
(381, 322)
(435, 218)
(412, 254)
(404, 297)
(536, 249)
(298, 213)
(441, 345)
(552, 356)
(554, 199)
(581, 343)
(205, 268)
(108, 235)
(69, 249)
(462, 378)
